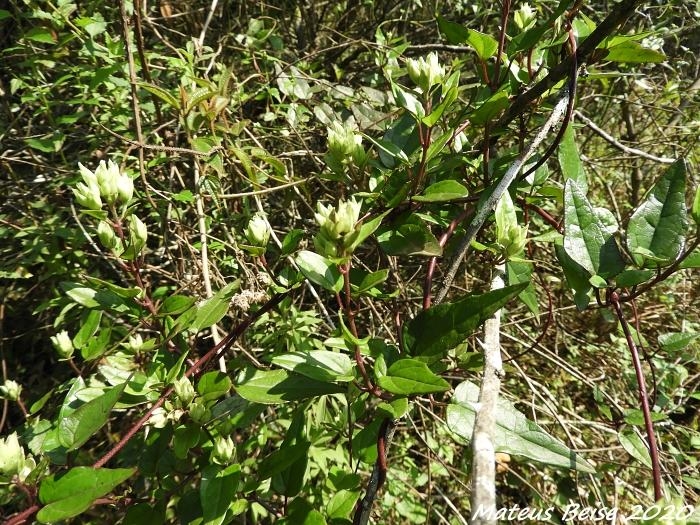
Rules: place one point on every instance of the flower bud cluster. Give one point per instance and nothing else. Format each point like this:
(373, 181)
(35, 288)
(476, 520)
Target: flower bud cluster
(425, 72)
(107, 183)
(10, 390)
(344, 147)
(338, 227)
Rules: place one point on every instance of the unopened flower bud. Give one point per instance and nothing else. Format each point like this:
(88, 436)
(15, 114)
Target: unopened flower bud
(108, 237)
(87, 193)
(184, 390)
(258, 231)
(125, 188)
(62, 344)
(138, 233)
(107, 177)
(10, 390)
(11, 455)
(425, 72)
(199, 413)
(224, 450)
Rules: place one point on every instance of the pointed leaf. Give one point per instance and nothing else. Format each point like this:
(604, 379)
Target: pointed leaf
(570, 159)
(321, 365)
(586, 237)
(408, 377)
(443, 191)
(216, 492)
(635, 447)
(634, 52)
(213, 309)
(440, 328)
(72, 493)
(515, 434)
(409, 239)
(81, 424)
(677, 341)
(319, 270)
(280, 386)
(657, 229)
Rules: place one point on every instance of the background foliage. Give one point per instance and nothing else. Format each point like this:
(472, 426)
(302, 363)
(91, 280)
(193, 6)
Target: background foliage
(294, 171)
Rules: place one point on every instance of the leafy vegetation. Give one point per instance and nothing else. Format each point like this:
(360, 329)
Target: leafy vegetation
(248, 250)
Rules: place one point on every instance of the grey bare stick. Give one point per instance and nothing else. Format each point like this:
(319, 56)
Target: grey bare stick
(485, 208)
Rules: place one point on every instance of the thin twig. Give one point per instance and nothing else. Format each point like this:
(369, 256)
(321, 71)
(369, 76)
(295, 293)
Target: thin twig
(612, 140)
(643, 397)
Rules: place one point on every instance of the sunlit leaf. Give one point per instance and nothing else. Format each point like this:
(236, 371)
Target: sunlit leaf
(657, 229)
(515, 434)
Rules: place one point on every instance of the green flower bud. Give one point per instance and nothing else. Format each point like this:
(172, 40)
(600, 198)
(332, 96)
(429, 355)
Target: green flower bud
(224, 451)
(138, 233)
(107, 176)
(62, 344)
(184, 390)
(108, 237)
(87, 193)
(125, 188)
(258, 231)
(134, 343)
(11, 455)
(199, 413)
(10, 390)
(425, 72)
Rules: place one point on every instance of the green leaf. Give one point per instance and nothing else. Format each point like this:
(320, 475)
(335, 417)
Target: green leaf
(319, 270)
(576, 277)
(490, 108)
(515, 434)
(161, 93)
(443, 191)
(342, 503)
(280, 386)
(281, 459)
(67, 495)
(521, 272)
(676, 341)
(321, 365)
(213, 309)
(634, 52)
(454, 32)
(372, 280)
(411, 377)
(216, 492)
(570, 160)
(657, 229)
(40, 34)
(635, 447)
(175, 304)
(88, 329)
(367, 229)
(409, 239)
(440, 328)
(630, 278)
(81, 424)
(586, 237)
(213, 385)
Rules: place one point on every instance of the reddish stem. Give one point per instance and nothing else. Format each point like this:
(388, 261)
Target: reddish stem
(651, 436)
